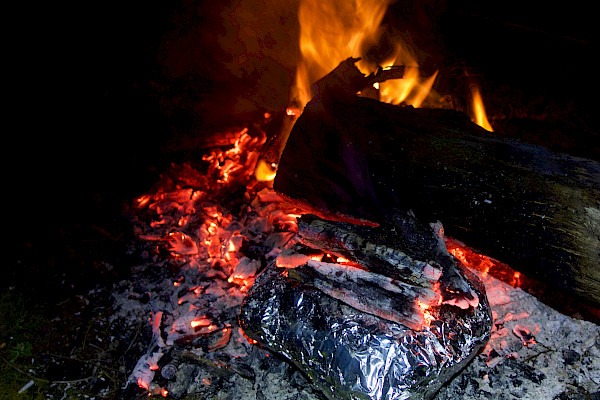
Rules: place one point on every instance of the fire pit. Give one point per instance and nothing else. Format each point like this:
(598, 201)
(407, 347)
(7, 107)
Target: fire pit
(329, 284)
(208, 233)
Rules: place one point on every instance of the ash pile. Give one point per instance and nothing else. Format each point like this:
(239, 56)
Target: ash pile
(344, 290)
(241, 294)
(340, 309)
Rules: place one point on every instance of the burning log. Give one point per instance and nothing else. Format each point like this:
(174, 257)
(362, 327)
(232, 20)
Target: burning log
(353, 287)
(379, 249)
(520, 203)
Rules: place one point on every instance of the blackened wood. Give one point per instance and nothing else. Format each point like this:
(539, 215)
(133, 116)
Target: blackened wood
(399, 306)
(402, 249)
(536, 210)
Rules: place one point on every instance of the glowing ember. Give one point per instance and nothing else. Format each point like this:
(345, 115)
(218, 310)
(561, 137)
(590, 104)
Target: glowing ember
(514, 317)
(523, 333)
(485, 266)
(291, 260)
(516, 279)
(223, 341)
(426, 310)
(292, 111)
(143, 384)
(200, 322)
(143, 201)
(181, 244)
(464, 302)
(244, 336)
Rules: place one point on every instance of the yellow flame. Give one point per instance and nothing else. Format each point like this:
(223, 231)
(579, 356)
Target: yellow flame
(333, 30)
(479, 111)
(264, 171)
(410, 89)
(330, 32)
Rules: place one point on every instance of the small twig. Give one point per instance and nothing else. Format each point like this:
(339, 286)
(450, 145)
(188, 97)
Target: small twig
(42, 379)
(536, 355)
(23, 372)
(73, 380)
(87, 333)
(115, 380)
(94, 346)
(97, 361)
(137, 331)
(64, 301)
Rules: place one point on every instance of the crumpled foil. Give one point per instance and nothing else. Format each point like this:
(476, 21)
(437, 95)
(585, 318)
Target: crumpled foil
(349, 354)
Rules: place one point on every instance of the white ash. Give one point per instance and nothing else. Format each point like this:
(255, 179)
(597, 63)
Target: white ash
(563, 364)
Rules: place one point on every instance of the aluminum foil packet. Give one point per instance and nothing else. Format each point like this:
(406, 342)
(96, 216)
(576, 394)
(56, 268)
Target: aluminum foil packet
(359, 334)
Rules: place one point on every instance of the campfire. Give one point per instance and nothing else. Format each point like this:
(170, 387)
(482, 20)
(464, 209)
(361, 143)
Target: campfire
(326, 249)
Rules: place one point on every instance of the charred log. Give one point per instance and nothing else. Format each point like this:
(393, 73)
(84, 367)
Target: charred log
(532, 208)
(401, 249)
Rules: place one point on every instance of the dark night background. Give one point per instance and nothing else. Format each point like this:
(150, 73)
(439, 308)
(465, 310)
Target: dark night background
(101, 95)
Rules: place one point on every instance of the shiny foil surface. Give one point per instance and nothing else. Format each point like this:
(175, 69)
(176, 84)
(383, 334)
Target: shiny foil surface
(349, 354)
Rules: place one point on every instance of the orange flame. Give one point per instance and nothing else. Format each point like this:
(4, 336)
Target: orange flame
(480, 116)
(330, 32)
(334, 30)
(410, 89)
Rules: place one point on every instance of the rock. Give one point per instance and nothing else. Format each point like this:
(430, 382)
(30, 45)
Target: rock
(570, 356)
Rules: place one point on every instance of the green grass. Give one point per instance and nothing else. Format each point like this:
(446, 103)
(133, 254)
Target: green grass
(20, 333)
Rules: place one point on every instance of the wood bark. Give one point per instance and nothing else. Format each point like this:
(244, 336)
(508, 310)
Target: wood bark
(534, 209)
